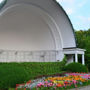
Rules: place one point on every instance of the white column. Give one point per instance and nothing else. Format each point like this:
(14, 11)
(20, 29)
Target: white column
(83, 60)
(76, 57)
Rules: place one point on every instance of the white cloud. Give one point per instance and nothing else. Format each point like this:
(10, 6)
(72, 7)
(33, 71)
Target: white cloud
(59, 0)
(68, 5)
(81, 4)
(65, 1)
(71, 6)
(83, 21)
(89, 19)
(69, 11)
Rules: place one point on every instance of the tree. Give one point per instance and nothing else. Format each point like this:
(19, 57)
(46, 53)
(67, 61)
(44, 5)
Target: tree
(83, 41)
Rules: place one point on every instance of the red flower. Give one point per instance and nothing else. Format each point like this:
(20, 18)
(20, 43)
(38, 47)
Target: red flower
(66, 82)
(28, 82)
(59, 85)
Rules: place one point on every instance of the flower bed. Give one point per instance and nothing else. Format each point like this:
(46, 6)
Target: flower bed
(65, 81)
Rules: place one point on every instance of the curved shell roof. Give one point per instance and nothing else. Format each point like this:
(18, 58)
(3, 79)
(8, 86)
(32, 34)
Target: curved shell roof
(35, 25)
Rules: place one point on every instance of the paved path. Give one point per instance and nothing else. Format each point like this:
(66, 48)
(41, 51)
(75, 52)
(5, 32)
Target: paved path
(82, 88)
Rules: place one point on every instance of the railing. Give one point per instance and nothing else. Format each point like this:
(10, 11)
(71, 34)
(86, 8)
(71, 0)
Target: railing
(27, 56)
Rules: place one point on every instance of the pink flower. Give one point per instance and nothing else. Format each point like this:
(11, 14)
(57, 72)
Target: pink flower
(40, 84)
(46, 82)
(50, 84)
(74, 81)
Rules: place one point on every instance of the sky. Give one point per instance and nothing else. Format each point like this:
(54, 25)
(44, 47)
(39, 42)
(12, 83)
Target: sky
(78, 12)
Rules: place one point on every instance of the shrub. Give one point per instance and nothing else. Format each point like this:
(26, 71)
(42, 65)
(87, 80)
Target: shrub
(10, 75)
(76, 67)
(43, 68)
(88, 64)
(15, 73)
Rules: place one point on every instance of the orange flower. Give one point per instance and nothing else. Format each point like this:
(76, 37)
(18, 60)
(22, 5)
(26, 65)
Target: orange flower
(58, 85)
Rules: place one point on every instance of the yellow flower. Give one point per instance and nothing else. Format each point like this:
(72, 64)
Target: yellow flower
(60, 82)
(54, 82)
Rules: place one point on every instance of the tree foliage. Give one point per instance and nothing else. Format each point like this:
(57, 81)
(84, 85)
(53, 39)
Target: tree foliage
(83, 41)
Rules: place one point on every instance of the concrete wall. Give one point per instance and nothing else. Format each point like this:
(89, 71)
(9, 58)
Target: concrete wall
(27, 56)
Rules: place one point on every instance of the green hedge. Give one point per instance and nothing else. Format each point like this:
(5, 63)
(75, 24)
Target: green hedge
(10, 75)
(76, 67)
(15, 73)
